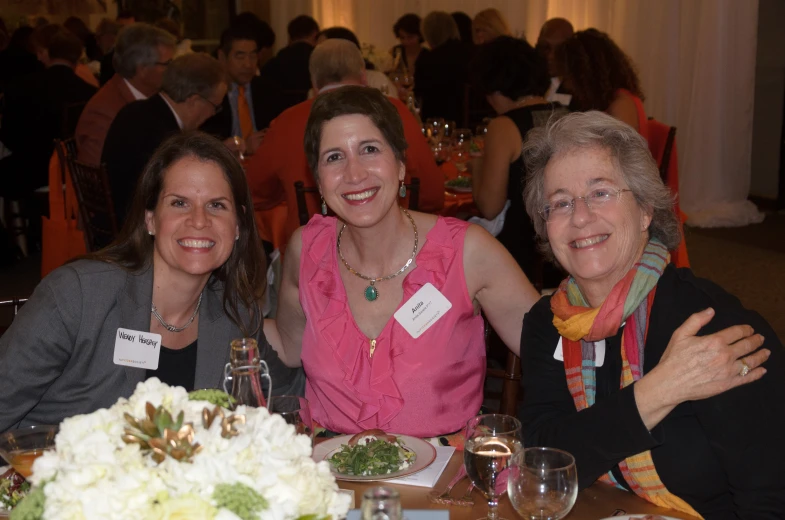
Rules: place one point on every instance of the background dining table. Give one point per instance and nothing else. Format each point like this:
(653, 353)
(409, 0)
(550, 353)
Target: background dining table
(596, 502)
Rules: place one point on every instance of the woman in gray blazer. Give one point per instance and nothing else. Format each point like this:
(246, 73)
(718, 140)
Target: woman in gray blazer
(188, 266)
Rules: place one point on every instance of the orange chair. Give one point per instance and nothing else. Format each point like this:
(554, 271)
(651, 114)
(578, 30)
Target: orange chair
(662, 144)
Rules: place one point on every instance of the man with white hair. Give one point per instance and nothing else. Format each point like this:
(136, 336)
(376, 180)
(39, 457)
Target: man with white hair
(141, 55)
(280, 160)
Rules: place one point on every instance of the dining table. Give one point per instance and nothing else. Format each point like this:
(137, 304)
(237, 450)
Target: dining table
(595, 502)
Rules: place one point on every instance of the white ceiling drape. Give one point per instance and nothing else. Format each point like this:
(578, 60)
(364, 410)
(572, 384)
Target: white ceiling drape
(696, 60)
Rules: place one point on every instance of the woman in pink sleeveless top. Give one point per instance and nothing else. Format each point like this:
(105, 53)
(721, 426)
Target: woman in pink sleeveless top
(381, 305)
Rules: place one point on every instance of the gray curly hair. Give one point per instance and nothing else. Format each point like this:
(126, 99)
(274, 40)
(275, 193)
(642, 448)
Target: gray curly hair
(628, 150)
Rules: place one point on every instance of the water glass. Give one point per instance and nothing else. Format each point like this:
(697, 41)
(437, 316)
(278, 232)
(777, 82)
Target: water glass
(434, 128)
(381, 503)
(295, 411)
(449, 130)
(461, 148)
(442, 151)
(543, 483)
(491, 442)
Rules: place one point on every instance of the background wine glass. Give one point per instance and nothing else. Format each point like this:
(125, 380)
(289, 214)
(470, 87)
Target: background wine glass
(435, 129)
(460, 149)
(478, 141)
(542, 483)
(442, 151)
(295, 411)
(491, 441)
(448, 131)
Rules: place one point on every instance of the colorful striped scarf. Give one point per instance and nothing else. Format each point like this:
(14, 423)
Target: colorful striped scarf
(581, 326)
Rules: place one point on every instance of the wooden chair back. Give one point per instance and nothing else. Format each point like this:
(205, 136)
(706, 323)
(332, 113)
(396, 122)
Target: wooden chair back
(96, 209)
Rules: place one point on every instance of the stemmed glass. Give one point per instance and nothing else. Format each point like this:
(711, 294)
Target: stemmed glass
(491, 442)
(460, 149)
(449, 130)
(434, 128)
(543, 483)
(295, 411)
(478, 143)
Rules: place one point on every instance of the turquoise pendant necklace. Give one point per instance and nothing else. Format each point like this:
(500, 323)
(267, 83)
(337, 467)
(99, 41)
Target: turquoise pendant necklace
(371, 293)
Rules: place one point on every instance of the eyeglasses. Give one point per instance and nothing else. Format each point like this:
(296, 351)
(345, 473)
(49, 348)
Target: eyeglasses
(216, 108)
(561, 208)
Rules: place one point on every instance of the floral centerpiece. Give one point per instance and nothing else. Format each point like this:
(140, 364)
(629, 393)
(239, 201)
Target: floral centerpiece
(165, 454)
(380, 61)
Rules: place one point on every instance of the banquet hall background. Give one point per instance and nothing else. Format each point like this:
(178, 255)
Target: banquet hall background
(714, 69)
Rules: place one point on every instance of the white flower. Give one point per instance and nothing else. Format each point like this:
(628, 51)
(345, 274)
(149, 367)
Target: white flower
(93, 474)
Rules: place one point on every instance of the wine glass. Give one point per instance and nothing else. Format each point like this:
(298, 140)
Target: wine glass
(435, 129)
(449, 130)
(461, 149)
(442, 151)
(295, 411)
(491, 441)
(478, 142)
(381, 503)
(543, 483)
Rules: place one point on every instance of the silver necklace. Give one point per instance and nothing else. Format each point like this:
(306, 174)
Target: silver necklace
(172, 328)
(371, 292)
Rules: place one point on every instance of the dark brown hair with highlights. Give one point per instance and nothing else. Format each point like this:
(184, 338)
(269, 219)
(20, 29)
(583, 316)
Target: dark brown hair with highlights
(595, 68)
(348, 100)
(244, 273)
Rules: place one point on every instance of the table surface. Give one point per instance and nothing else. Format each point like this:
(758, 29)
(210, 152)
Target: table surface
(595, 502)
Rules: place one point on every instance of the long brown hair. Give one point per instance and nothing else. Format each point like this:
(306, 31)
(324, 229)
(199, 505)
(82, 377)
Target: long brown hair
(595, 68)
(244, 273)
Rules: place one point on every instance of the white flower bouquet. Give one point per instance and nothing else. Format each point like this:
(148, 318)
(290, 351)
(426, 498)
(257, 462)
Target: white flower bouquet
(164, 455)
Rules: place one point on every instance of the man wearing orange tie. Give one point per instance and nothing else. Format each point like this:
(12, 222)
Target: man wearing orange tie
(238, 116)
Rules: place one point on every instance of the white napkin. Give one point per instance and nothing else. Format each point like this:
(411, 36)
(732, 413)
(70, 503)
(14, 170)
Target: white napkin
(430, 475)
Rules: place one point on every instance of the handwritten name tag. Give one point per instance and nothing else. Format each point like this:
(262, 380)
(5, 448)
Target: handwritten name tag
(134, 348)
(422, 310)
(599, 352)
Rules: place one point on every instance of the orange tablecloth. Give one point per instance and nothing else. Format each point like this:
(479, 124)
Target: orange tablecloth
(455, 204)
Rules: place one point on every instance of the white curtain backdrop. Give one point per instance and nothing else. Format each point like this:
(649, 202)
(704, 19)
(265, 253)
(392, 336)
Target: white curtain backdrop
(696, 60)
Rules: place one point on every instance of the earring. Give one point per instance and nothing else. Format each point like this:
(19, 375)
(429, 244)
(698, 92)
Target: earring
(236, 238)
(324, 207)
(151, 233)
(402, 190)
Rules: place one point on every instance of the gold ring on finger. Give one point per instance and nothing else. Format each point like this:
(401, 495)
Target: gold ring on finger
(745, 368)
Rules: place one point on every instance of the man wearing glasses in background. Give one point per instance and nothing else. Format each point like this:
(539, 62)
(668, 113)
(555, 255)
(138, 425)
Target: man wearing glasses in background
(192, 91)
(243, 101)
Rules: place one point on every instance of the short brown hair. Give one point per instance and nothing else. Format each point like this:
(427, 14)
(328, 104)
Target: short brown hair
(197, 73)
(348, 100)
(244, 273)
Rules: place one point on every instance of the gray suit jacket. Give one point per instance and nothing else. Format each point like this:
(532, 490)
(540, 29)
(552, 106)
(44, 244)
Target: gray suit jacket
(56, 360)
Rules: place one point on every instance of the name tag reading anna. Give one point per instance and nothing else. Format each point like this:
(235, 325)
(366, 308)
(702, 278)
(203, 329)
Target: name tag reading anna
(422, 310)
(134, 348)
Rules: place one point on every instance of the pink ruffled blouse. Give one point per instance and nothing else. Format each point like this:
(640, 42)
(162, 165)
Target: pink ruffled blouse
(422, 387)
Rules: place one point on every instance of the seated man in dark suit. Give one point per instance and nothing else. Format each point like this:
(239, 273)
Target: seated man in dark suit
(192, 90)
(285, 79)
(242, 104)
(35, 109)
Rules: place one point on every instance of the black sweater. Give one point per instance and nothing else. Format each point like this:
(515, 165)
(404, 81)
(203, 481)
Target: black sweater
(724, 455)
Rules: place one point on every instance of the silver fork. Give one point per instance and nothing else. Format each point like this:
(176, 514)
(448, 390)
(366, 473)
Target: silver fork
(444, 497)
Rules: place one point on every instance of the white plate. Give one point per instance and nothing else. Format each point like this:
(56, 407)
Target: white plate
(642, 515)
(424, 451)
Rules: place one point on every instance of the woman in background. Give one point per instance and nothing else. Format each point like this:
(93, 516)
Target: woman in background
(407, 30)
(489, 24)
(602, 77)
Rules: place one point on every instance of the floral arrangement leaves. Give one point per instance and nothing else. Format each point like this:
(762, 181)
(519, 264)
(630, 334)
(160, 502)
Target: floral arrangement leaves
(94, 474)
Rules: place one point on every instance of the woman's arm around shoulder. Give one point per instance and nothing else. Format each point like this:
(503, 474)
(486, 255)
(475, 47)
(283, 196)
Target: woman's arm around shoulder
(495, 280)
(36, 348)
(285, 333)
(491, 173)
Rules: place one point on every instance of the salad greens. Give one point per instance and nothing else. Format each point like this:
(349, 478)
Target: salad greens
(11, 493)
(459, 182)
(375, 457)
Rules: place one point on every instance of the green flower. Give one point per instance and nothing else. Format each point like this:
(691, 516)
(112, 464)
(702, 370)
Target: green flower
(213, 396)
(240, 499)
(31, 507)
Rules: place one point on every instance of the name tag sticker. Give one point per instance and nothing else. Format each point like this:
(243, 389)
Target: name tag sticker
(599, 352)
(422, 310)
(134, 348)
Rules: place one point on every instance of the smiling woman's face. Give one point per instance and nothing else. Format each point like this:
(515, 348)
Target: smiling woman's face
(596, 246)
(359, 175)
(195, 221)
